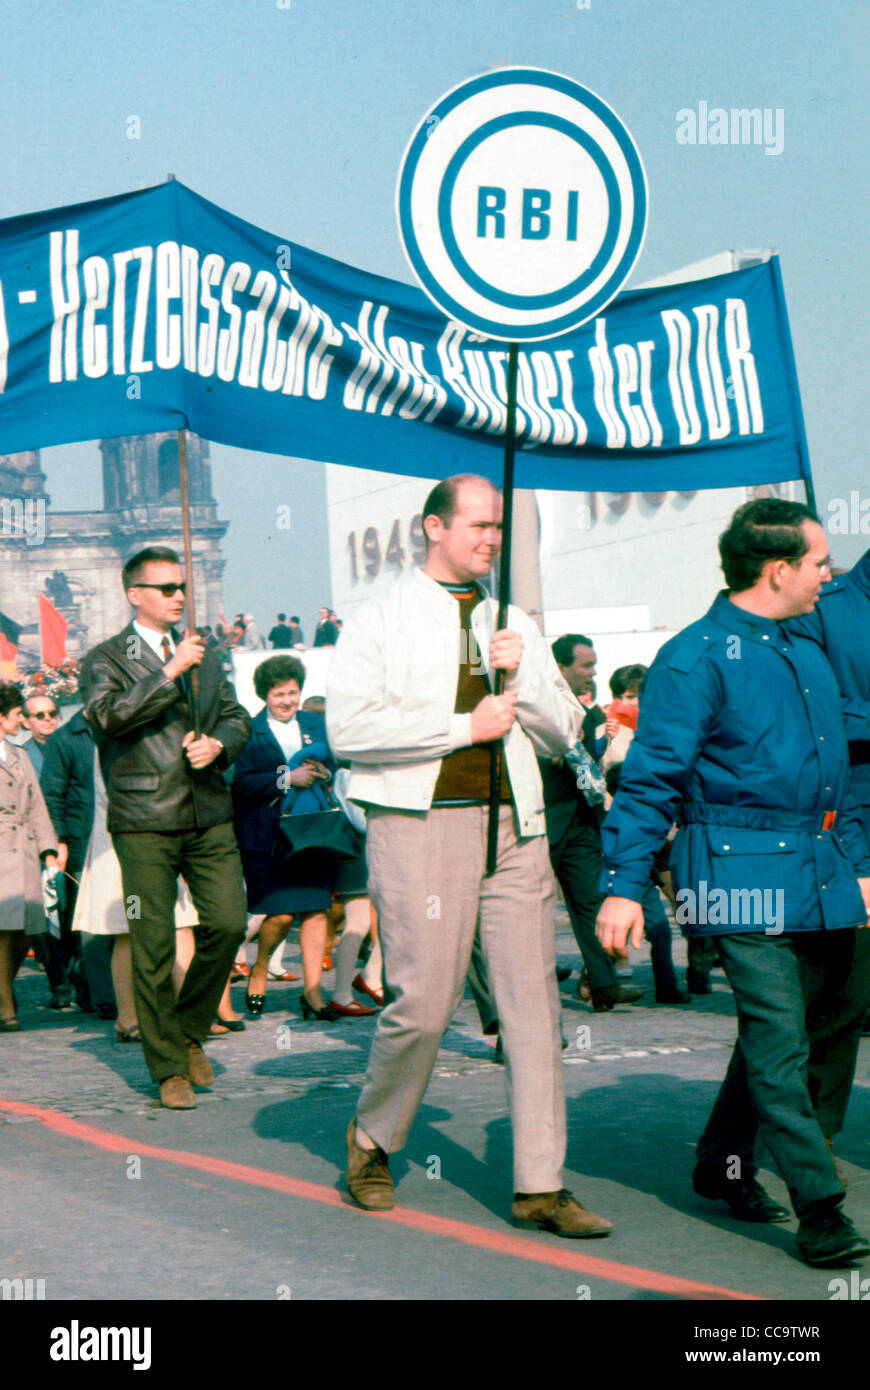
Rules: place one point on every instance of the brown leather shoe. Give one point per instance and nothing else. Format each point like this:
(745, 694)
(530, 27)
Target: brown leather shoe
(369, 1180)
(557, 1212)
(198, 1066)
(176, 1093)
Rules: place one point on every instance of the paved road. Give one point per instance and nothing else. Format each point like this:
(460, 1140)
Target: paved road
(97, 1182)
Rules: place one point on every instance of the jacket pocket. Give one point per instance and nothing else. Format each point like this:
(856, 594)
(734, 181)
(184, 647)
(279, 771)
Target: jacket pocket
(135, 782)
(760, 873)
(742, 840)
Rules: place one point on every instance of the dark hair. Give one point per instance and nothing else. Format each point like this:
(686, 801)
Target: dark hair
(294, 617)
(563, 647)
(276, 671)
(315, 704)
(11, 697)
(152, 554)
(441, 501)
(625, 676)
(282, 617)
(766, 529)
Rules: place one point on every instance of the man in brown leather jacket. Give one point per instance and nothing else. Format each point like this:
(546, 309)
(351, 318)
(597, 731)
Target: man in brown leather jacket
(170, 812)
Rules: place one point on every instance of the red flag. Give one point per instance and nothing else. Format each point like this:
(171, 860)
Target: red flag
(8, 653)
(52, 629)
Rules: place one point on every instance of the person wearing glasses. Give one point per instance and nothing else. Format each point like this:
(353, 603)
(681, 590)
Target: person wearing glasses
(40, 718)
(740, 730)
(164, 746)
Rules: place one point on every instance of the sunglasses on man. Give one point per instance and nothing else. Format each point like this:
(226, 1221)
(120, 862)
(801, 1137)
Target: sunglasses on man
(167, 590)
(44, 714)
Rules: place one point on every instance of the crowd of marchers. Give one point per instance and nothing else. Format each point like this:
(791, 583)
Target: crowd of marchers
(145, 843)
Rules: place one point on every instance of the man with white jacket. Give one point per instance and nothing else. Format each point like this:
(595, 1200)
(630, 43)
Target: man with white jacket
(409, 704)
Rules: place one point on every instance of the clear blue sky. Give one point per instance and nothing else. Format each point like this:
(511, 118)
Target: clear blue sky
(296, 119)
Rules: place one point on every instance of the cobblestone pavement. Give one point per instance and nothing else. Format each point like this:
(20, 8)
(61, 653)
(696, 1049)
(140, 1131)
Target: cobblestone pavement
(639, 1080)
(71, 1062)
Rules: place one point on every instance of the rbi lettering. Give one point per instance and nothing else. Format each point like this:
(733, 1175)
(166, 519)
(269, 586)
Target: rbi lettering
(536, 213)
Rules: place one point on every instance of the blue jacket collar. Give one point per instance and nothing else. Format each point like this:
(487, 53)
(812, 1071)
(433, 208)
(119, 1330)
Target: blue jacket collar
(737, 620)
(860, 573)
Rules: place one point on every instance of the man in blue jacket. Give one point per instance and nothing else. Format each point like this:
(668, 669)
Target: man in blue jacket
(740, 728)
(840, 623)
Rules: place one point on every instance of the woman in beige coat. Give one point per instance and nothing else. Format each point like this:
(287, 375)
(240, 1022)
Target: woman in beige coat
(26, 836)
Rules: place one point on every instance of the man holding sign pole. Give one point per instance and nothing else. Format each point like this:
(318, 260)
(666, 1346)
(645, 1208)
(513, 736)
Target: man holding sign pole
(170, 812)
(409, 703)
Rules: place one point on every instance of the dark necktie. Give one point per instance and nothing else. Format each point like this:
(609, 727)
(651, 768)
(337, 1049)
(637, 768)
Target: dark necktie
(181, 681)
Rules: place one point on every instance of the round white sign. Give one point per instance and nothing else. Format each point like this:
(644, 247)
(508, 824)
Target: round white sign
(522, 204)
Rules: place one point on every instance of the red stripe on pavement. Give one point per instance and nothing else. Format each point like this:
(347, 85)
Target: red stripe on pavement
(500, 1243)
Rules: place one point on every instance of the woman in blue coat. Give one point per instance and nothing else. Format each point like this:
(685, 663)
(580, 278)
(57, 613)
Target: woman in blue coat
(261, 777)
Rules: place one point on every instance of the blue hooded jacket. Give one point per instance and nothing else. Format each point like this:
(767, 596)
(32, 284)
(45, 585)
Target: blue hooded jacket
(840, 623)
(740, 734)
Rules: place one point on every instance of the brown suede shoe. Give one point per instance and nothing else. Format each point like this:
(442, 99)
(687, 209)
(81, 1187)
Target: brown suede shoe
(176, 1093)
(369, 1180)
(198, 1066)
(557, 1212)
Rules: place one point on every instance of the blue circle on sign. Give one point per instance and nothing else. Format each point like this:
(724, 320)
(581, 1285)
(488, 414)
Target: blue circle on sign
(446, 296)
(445, 218)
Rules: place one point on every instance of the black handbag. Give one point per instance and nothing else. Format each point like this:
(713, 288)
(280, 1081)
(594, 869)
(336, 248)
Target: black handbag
(315, 834)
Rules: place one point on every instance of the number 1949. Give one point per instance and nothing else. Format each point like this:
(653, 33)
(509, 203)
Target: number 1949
(369, 552)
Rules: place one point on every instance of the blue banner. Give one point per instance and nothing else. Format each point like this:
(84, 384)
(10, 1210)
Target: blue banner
(159, 310)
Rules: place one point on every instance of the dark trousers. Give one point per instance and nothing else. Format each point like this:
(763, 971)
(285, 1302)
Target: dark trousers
(150, 864)
(576, 859)
(657, 930)
(91, 971)
(834, 1028)
(790, 1052)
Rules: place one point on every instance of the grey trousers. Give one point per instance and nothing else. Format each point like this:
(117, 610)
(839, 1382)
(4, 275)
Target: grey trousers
(426, 879)
(779, 983)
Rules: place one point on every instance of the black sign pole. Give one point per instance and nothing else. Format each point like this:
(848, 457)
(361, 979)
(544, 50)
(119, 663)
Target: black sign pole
(504, 589)
(188, 570)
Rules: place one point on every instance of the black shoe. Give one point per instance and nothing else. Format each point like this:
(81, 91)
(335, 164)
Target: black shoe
(830, 1239)
(697, 982)
(324, 1015)
(235, 1025)
(107, 1012)
(254, 1004)
(745, 1196)
(671, 995)
(605, 998)
(60, 1000)
(563, 973)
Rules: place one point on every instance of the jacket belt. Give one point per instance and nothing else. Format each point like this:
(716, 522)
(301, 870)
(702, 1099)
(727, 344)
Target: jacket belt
(756, 817)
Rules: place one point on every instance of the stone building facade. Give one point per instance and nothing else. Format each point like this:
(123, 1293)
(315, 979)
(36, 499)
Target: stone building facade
(75, 558)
